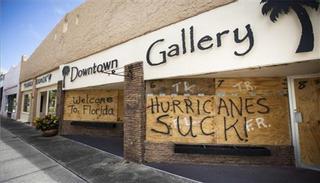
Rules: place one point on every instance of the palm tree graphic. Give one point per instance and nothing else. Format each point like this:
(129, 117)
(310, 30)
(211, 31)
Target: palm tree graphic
(277, 7)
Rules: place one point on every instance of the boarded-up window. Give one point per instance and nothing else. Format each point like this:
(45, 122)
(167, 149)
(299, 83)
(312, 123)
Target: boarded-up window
(93, 105)
(227, 111)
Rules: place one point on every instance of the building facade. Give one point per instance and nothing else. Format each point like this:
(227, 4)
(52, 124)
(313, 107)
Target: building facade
(39, 96)
(2, 75)
(201, 82)
(10, 91)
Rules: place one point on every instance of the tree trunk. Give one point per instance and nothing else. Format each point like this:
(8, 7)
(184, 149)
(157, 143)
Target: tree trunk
(306, 41)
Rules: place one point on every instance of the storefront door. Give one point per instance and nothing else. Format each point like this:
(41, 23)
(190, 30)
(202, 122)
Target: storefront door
(11, 105)
(43, 103)
(305, 114)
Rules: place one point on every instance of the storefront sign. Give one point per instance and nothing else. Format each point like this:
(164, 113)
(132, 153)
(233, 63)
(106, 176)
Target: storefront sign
(27, 85)
(203, 43)
(232, 37)
(43, 79)
(48, 79)
(91, 105)
(106, 67)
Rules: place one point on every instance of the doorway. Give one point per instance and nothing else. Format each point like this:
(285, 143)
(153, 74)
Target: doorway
(43, 104)
(304, 93)
(11, 105)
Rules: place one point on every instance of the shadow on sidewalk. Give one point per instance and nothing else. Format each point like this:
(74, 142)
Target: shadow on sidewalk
(112, 145)
(89, 163)
(23, 163)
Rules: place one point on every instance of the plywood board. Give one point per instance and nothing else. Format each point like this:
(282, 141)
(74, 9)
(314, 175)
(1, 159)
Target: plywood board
(236, 120)
(251, 86)
(169, 118)
(256, 115)
(307, 93)
(91, 105)
(257, 120)
(187, 86)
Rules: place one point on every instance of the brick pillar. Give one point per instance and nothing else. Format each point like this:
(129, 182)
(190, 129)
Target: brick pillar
(60, 105)
(19, 103)
(134, 112)
(34, 97)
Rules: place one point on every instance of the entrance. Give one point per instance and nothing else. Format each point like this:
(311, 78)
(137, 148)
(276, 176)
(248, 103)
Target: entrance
(11, 105)
(46, 103)
(305, 115)
(43, 104)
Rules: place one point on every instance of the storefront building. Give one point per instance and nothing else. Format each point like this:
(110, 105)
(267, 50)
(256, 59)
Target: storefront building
(230, 84)
(26, 102)
(46, 88)
(10, 92)
(39, 96)
(2, 75)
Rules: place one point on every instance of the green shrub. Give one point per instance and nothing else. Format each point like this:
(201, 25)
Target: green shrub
(47, 123)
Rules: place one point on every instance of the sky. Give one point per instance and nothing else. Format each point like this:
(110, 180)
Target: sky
(25, 23)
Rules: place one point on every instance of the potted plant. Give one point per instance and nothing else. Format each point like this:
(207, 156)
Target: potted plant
(48, 125)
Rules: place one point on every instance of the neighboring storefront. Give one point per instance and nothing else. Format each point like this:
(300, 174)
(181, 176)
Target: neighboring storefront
(2, 75)
(10, 92)
(225, 86)
(46, 86)
(39, 96)
(26, 101)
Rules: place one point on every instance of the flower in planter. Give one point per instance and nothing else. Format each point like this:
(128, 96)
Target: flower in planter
(48, 122)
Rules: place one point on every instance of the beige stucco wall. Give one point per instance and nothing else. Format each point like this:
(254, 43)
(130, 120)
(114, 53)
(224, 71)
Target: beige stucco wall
(100, 24)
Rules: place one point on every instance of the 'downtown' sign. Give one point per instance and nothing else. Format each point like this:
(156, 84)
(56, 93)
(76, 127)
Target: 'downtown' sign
(108, 67)
(91, 105)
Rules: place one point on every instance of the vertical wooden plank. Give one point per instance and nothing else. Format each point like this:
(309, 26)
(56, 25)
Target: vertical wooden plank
(307, 92)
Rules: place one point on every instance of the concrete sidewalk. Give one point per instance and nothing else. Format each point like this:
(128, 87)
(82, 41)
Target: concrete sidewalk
(88, 163)
(20, 162)
(214, 173)
(94, 165)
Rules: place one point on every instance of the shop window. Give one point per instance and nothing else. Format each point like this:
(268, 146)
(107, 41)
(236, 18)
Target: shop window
(52, 102)
(26, 103)
(11, 106)
(14, 104)
(41, 103)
